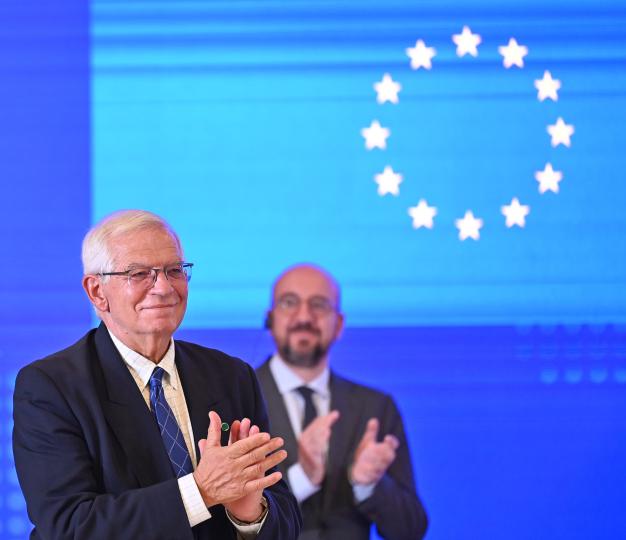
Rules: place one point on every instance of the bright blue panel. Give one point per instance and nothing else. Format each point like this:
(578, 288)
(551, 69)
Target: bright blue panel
(241, 123)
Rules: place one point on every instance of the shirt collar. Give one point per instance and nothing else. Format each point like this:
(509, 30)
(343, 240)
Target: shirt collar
(144, 367)
(287, 380)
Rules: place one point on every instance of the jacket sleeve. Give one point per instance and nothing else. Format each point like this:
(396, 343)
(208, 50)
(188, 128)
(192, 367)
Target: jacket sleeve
(61, 482)
(394, 506)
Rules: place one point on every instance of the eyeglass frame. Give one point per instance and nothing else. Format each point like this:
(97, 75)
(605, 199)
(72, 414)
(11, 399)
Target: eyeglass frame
(154, 271)
(330, 306)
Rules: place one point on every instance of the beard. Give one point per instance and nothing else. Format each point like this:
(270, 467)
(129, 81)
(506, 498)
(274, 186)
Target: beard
(306, 359)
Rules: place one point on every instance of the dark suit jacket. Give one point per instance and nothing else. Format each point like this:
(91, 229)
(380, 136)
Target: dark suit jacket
(89, 456)
(332, 513)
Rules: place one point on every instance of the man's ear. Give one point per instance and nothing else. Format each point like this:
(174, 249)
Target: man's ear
(93, 287)
(269, 320)
(339, 325)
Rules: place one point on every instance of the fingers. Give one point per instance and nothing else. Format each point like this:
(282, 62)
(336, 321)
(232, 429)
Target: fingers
(274, 459)
(234, 432)
(259, 469)
(243, 447)
(322, 423)
(201, 445)
(244, 431)
(257, 455)
(241, 430)
(332, 417)
(379, 456)
(386, 454)
(326, 421)
(374, 461)
(261, 483)
(214, 434)
(392, 441)
(371, 432)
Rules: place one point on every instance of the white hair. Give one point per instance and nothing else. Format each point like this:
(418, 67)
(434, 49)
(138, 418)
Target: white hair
(96, 253)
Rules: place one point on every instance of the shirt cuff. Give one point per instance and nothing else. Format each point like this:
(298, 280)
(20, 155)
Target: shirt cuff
(362, 491)
(247, 532)
(197, 512)
(301, 486)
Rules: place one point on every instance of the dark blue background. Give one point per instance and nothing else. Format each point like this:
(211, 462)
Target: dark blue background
(45, 210)
(517, 429)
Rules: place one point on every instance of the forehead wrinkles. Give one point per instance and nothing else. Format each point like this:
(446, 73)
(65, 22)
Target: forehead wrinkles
(145, 250)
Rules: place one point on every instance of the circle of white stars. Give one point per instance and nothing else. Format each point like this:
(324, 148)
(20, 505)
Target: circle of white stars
(421, 57)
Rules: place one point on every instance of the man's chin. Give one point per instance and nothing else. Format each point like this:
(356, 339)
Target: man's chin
(161, 323)
(305, 358)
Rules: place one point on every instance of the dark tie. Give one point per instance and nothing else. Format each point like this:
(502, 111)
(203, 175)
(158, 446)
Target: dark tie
(310, 412)
(171, 434)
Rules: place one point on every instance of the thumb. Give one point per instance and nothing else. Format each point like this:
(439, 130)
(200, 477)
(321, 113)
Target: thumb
(371, 431)
(214, 434)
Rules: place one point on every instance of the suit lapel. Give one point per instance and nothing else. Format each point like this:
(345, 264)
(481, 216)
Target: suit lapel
(127, 414)
(279, 419)
(203, 392)
(342, 436)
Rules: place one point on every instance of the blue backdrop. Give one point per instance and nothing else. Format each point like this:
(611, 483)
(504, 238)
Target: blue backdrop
(241, 122)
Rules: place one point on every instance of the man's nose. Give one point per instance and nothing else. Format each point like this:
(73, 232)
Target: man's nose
(162, 284)
(303, 312)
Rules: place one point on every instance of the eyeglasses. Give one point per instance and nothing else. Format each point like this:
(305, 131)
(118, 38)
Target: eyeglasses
(145, 277)
(318, 305)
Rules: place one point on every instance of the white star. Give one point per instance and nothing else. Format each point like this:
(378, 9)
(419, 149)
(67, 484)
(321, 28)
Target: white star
(466, 42)
(422, 215)
(515, 213)
(421, 55)
(387, 89)
(388, 181)
(513, 54)
(548, 179)
(375, 136)
(561, 133)
(468, 226)
(547, 87)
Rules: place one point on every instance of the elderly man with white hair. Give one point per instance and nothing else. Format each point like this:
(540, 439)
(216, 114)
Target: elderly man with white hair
(130, 434)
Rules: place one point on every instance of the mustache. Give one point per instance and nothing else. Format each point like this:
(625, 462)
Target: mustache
(304, 327)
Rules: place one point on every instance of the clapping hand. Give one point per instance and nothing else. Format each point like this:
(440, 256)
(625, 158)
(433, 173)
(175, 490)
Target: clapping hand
(372, 458)
(234, 475)
(313, 446)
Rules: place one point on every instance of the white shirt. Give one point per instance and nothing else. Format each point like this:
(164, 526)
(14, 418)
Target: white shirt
(141, 369)
(287, 382)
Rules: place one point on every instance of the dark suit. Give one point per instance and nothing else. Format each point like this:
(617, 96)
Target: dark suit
(331, 513)
(91, 461)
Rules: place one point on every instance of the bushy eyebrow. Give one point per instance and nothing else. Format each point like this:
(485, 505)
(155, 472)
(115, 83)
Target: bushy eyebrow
(135, 266)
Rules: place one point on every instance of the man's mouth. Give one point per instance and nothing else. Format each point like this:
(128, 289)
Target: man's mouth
(304, 328)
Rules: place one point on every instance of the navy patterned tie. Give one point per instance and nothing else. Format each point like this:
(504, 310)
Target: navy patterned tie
(170, 432)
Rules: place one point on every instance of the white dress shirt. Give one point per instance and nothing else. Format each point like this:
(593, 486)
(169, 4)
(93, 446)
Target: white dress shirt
(141, 369)
(287, 382)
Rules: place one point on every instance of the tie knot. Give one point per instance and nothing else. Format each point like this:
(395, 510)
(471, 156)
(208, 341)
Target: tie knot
(156, 379)
(305, 392)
